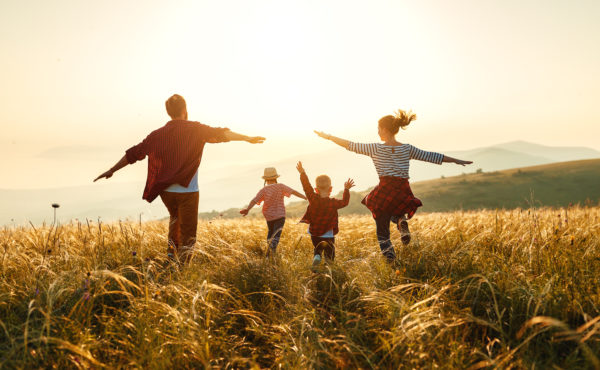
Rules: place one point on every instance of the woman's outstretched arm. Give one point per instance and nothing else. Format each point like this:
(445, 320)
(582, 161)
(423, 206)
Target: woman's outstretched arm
(454, 160)
(341, 142)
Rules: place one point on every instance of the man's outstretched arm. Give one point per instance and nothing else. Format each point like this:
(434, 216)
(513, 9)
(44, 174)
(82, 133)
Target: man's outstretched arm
(234, 136)
(120, 164)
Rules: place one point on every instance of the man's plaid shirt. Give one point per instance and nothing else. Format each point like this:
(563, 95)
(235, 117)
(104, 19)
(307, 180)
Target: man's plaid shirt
(174, 153)
(321, 214)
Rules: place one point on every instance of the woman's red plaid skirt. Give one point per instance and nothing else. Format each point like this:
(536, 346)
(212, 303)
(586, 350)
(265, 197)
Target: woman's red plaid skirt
(392, 196)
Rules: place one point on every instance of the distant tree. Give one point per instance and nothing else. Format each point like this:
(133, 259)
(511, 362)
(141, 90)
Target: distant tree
(479, 170)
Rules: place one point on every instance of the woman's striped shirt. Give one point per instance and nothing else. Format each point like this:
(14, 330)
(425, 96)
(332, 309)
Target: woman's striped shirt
(393, 160)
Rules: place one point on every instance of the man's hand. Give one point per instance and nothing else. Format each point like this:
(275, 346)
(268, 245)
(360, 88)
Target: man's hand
(107, 175)
(244, 212)
(349, 184)
(255, 139)
(323, 135)
(299, 167)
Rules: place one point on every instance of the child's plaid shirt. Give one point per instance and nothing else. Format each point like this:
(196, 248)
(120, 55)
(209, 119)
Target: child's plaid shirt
(321, 214)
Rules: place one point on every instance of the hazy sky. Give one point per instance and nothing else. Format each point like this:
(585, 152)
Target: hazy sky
(88, 79)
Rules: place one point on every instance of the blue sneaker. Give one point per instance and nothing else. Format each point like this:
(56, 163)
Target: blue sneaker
(316, 262)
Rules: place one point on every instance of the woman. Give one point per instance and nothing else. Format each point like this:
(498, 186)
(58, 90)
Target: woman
(392, 200)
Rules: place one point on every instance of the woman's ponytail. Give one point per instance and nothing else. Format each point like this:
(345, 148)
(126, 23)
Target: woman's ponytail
(400, 119)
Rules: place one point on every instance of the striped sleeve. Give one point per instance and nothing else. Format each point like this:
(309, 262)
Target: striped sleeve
(260, 196)
(421, 155)
(360, 148)
(286, 190)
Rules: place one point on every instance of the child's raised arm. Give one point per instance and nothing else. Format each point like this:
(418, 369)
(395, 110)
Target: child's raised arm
(341, 203)
(341, 142)
(306, 186)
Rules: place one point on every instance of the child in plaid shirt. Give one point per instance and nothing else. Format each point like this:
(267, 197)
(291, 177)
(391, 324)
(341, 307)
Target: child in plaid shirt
(273, 208)
(321, 214)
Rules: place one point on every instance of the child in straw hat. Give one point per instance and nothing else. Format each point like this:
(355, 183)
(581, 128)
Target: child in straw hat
(273, 208)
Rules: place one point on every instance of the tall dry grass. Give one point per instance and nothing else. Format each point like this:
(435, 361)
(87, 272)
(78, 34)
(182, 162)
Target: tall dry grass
(508, 289)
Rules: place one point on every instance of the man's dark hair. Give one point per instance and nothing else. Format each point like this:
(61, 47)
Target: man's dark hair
(175, 106)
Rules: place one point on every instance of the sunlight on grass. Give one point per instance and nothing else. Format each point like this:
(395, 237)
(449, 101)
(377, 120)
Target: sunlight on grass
(473, 289)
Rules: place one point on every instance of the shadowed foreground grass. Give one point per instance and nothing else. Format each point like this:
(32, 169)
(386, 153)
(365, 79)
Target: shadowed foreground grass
(511, 289)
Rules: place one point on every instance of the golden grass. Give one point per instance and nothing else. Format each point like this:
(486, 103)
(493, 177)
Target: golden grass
(509, 289)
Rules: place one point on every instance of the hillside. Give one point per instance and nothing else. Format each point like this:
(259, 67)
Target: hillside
(556, 184)
(227, 182)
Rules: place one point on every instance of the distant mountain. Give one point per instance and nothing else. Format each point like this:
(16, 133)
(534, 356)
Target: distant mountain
(234, 185)
(553, 153)
(556, 184)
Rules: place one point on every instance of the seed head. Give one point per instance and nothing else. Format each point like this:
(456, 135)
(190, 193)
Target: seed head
(55, 205)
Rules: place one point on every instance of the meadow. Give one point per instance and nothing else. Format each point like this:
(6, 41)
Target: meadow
(476, 289)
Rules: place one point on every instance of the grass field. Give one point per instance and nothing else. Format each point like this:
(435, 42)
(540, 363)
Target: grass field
(508, 289)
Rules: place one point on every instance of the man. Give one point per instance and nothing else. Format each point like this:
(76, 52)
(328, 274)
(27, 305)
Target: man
(174, 153)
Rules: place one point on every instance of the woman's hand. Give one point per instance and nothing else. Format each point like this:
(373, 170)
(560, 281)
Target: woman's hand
(255, 139)
(349, 184)
(461, 162)
(299, 167)
(323, 135)
(244, 211)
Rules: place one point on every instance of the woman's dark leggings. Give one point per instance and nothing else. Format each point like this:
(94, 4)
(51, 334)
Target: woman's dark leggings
(275, 228)
(383, 235)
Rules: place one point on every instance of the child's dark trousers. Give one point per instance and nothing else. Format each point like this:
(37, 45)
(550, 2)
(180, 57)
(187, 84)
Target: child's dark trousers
(324, 246)
(274, 233)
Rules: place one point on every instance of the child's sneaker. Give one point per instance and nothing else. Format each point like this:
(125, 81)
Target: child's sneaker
(404, 232)
(171, 253)
(316, 262)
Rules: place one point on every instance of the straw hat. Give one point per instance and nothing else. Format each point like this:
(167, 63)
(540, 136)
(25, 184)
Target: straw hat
(270, 173)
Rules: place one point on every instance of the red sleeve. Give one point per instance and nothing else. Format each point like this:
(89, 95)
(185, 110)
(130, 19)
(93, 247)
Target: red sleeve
(344, 201)
(212, 134)
(307, 187)
(138, 152)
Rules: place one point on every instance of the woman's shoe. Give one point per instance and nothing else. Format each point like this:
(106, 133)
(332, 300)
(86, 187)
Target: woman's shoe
(404, 232)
